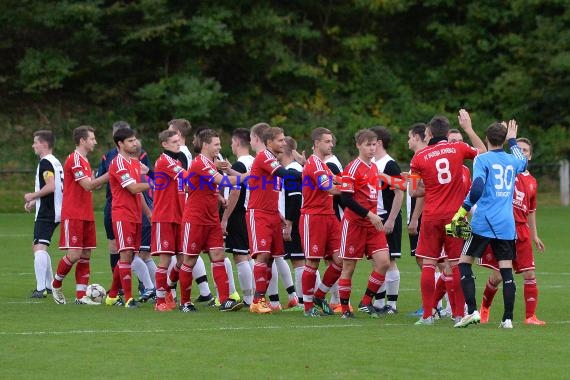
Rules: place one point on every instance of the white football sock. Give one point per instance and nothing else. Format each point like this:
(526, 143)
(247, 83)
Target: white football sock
(199, 270)
(245, 278)
(49, 272)
(40, 267)
(392, 284)
(299, 279)
(139, 267)
(285, 274)
(230, 272)
(151, 266)
(273, 288)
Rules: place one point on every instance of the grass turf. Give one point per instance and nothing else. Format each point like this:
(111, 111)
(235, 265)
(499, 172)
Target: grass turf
(40, 339)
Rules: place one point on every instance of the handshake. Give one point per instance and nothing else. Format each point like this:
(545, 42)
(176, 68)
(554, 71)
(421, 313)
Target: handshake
(459, 226)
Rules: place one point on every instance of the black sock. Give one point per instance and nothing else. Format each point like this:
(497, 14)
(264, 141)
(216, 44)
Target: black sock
(114, 259)
(468, 286)
(509, 290)
(201, 279)
(380, 295)
(290, 289)
(274, 297)
(392, 297)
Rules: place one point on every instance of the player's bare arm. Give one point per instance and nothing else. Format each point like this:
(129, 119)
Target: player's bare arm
(414, 219)
(396, 207)
(90, 184)
(136, 188)
(533, 232)
(48, 188)
(465, 123)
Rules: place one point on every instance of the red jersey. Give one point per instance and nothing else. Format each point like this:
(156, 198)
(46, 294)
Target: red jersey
(466, 180)
(263, 186)
(360, 179)
(77, 202)
(126, 207)
(202, 203)
(524, 199)
(167, 204)
(440, 167)
(316, 178)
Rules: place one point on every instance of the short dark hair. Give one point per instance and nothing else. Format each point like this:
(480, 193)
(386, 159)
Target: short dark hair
(526, 141)
(383, 134)
(120, 125)
(271, 133)
(122, 134)
(419, 129)
(259, 129)
(165, 135)
(364, 135)
(439, 126)
(496, 134)
(454, 130)
(317, 133)
(290, 145)
(206, 136)
(82, 132)
(181, 125)
(46, 136)
(242, 135)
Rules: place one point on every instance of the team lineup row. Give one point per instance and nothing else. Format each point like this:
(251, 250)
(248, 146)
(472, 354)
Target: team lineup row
(307, 223)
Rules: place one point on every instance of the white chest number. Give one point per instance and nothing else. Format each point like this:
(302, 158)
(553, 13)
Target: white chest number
(443, 173)
(504, 175)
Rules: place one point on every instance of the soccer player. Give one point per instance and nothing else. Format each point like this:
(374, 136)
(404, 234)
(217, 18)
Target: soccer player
(183, 127)
(77, 232)
(524, 206)
(201, 223)
(319, 227)
(263, 220)
(290, 200)
(46, 199)
(493, 221)
(362, 229)
(440, 167)
(389, 209)
(233, 219)
(126, 213)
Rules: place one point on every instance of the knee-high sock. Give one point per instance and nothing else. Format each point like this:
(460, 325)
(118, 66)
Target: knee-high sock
(456, 311)
(299, 281)
(49, 271)
(63, 268)
(126, 278)
(40, 268)
(308, 286)
(245, 277)
(221, 280)
(509, 290)
(468, 286)
(458, 291)
(344, 290)
(185, 284)
(260, 279)
(116, 284)
(199, 274)
(335, 295)
(427, 285)
(375, 281)
(392, 286)
(161, 284)
(286, 276)
(440, 288)
(230, 273)
(489, 294)
(82, 273)
(530, 297)
(331, 276)
(151, 266)
(273, 285)
(139, 267)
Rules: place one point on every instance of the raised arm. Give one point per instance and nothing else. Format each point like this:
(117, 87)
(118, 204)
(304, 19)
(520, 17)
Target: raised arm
(465, 123)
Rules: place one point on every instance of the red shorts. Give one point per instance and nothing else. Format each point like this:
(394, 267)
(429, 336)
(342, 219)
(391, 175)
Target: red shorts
(198, 238)
(433, 243)
(77, 234)
(320, 235)
(524, 259)
(166, 238)
(127, 235)
(358, 239)
(264, 232)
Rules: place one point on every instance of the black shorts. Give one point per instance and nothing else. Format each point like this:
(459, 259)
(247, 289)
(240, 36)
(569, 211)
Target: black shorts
(43, 231)
(476, 245)
(237, 241)
(108, 222)
(145, 235)
(394, 239)
(293, 250)
(414, 239)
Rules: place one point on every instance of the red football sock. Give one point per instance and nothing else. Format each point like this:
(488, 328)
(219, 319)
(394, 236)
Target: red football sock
(221, 280)
(174, 274)
(161, 284)
(259, 273)
(185, 283)
(308, 283)
(82, 272)
(427, 285)
(458, 293)
(440, 289)
(63, 268)
(375, 281)
(126, 279)
(344, 289)
(489, 294)
(332, 274)
(530, 296)
(450, 292)
(116, 284)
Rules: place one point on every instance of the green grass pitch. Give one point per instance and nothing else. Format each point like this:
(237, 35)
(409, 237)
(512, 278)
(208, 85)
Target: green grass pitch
(40, 339)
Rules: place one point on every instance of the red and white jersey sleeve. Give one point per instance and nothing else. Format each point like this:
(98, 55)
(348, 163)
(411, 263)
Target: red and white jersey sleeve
(77, 202)
(360, 179)
(440, 167)
(317, 177)
(466, 179)
(202, 203)
(524, 196)
(263, 186)
(167, 205)
(126, 207)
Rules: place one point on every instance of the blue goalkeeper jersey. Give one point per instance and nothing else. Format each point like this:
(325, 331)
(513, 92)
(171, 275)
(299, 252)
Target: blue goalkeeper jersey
(493, 216)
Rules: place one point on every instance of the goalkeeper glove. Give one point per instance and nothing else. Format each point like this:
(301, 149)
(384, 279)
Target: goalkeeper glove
(461, 229)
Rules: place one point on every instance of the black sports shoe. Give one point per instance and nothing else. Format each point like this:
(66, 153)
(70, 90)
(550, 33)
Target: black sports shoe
(148, 294)
(205, 298)
(187, 308)
(323, 305)
(38, 294)
(347, 315)
(368, 309)
(231, 305)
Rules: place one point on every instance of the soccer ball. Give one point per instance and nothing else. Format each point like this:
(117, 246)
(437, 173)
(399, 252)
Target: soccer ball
(96, 293)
